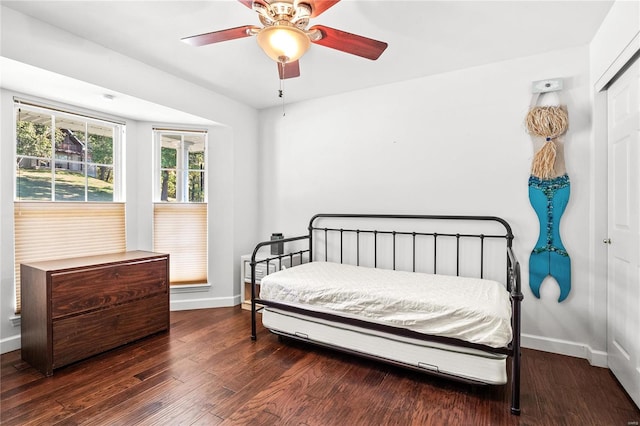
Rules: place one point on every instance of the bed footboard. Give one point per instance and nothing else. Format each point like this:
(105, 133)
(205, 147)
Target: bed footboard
(271, 260)
(515, 349)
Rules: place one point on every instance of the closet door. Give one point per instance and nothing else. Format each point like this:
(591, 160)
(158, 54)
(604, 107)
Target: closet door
(623, 344)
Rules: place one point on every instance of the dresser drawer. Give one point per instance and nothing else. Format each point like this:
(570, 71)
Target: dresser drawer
(78, 337)
(75, 292)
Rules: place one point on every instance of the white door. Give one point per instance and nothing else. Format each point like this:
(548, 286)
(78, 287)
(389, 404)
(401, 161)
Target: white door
(623, 339)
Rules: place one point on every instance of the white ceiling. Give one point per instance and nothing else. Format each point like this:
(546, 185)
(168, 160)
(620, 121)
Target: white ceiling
(51, 87)
(424, 37)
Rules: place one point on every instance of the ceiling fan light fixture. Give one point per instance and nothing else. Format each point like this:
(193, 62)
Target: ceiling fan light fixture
(283, 42)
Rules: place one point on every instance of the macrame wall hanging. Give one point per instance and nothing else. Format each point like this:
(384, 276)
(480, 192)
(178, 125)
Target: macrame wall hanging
(549, 190)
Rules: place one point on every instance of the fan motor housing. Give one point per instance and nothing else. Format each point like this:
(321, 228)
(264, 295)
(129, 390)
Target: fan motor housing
(279, 11)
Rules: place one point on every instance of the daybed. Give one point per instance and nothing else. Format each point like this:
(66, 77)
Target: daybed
(417, 295)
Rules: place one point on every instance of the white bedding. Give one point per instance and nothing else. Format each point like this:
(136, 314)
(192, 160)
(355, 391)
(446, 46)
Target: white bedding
(471, 309)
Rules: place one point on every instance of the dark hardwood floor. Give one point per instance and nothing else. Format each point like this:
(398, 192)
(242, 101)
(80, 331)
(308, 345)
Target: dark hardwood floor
(206, 371)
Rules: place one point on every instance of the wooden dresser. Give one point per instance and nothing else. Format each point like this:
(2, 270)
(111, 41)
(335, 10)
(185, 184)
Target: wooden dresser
(78, 307)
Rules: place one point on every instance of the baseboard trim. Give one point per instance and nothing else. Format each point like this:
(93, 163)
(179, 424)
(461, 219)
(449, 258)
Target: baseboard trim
(597, 358)
(10, 344)
(204, 303)
(564, 347)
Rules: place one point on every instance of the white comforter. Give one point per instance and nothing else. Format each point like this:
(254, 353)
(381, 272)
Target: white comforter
(471, 309)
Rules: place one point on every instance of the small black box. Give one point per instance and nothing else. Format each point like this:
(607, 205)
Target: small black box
(277, 248)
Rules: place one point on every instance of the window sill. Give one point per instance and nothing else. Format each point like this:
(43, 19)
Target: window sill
(190, 288)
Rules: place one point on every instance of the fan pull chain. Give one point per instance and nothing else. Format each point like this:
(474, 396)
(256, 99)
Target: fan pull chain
(281, 95)
(281, 90)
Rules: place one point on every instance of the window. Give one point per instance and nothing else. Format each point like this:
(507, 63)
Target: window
(180, 209)
(66, 157)
(182, 166)
(67, 187)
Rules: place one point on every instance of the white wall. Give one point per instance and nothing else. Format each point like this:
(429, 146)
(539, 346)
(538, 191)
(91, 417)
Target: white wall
(8, 329)
(451, 143)
(232, 179)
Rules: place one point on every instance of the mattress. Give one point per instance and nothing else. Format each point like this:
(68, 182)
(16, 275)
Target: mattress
(434, 358)
(470, 309)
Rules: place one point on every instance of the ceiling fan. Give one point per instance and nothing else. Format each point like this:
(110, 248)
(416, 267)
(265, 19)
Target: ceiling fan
(284, 36)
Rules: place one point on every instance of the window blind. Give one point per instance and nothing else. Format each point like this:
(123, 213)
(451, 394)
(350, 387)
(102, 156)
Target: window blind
(49, 230)
(180, 229)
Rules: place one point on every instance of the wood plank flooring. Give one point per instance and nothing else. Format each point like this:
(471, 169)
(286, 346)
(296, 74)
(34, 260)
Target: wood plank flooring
(206, 371)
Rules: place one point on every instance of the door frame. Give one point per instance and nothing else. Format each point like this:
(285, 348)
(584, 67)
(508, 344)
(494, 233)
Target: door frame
(598, 226)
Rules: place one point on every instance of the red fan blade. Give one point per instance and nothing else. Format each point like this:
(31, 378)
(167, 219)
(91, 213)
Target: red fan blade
(218, 36)
(349, 43)
(248, 3)
(319, 6)
(289, 70)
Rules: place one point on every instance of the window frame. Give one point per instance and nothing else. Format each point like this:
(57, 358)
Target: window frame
(182, 195)
(118, 138)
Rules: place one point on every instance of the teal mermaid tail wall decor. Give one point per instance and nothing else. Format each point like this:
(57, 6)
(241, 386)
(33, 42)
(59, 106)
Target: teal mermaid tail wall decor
(549, 198)
(549, 190)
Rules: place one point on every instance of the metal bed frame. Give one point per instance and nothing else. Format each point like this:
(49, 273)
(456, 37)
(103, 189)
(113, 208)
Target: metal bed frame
(512, 281)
